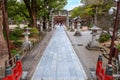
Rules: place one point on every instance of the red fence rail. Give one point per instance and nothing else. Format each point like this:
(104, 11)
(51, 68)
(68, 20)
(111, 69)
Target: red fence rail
(13, 72)
(102, 73)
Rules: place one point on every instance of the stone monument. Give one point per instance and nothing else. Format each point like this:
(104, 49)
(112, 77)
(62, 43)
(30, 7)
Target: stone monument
(78, 33)
(93, 44)
(73, 27)
(41, 26)
(47, 24)
(26, 44)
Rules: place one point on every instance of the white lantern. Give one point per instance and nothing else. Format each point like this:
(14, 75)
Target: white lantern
(116, 0)
(110, 11)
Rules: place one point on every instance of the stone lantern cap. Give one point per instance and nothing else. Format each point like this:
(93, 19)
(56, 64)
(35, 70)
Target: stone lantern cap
(27, 28)
(95, 28)
(26, 31)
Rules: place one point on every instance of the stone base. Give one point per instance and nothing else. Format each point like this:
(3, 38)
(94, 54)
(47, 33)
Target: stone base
(24, 75)
(72, 30)
(67, 28)
(3, 59)
(26, 45)
(77, 33)
(90, 47)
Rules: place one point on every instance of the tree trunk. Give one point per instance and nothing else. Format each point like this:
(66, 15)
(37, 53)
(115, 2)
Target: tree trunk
(31, 6)
(34, 13)
(3, 45)
(34, 20)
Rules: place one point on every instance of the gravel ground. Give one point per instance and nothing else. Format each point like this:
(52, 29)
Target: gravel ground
(87, 57)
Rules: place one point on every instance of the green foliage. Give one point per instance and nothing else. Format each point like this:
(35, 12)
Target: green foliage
(94, 8)
(89, 10)
(12, 37)
(23, 10)
(15, 34)
(104, 37)
(91, 25)
(92, 2)
(17, 44)
(34, 31)
(118, 47)
(26, 26)
(83, 11)
(14, 52)
(75, 12)
(16, 11)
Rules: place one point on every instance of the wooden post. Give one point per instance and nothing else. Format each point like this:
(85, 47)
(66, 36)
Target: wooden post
(114, 32)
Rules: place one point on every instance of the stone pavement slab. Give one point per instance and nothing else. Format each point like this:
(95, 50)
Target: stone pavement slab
(59, 61)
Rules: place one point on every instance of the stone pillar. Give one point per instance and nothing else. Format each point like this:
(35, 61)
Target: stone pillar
(67, 21)
(52, 21)
(78, 33)
(41, 26)
(38, 23)
(59, 13)
(26, 36)
(70, 26)
(95, 18)
(73, 25)
(94, 43)
(26, 44)
(47, 25)
(78, 26)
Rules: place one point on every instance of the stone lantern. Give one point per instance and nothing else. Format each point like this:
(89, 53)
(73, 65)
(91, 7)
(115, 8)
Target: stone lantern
(26, 44)
(78, 33)
(73, 26)
(47, 25)
(93, 44)
(52, 19)
(67, 21)
(41, 26)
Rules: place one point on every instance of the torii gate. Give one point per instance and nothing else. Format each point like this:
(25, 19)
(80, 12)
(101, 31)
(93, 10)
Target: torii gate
(62, 18)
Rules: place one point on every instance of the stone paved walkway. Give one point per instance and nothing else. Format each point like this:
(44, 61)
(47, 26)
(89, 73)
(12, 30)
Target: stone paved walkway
(59, 61)
(34, 56)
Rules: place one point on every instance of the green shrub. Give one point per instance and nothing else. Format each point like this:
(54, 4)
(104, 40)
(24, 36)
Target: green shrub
(12, 37)
(34, 31)
(17, 44)
(90, 25)
(118, 47)
(15, 34)
(14, 52)
(104, 37)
